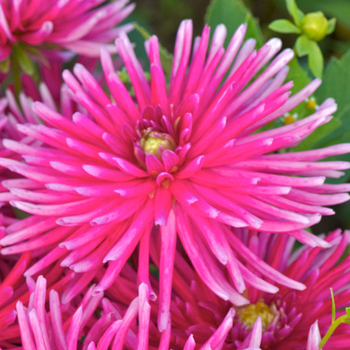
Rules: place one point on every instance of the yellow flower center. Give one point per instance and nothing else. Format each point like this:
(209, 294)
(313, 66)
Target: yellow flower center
(289, 119)
(250, 313)
(311, 105)
(151, 143)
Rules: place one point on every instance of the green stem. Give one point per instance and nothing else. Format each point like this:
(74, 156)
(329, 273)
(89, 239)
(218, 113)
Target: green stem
(16, 77)
(331, 329)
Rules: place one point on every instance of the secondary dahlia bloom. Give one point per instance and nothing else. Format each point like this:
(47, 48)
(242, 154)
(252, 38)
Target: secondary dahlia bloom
(287, 320)
(290, 317)
(13, 113)
(81, 27)
(290, 320)
(185, 159)
(63, 326)
(13, 288)
(120, 324)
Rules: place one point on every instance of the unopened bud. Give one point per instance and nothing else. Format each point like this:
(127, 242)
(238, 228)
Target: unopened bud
(314, 25)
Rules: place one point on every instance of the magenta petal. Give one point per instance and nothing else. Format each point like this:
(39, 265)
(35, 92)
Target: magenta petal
(167, 256)
(56, 319)
(163, 202)
(170, 160)
(221, 332)
(154, 165)
(23, 321)
(129, 168)
(314, 338)
(190, 169)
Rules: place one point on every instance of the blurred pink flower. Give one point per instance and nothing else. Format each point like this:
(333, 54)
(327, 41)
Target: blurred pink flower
(290, 320)
(81, 27)
(63, 327)
(186, 159)
(287, 320)
(118, 325)
(291, 317)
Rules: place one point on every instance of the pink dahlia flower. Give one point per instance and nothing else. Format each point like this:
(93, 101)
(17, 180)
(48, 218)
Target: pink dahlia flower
(119, 325)
(186, 159)
(82, 27)
(14, 290)
(63, 327)
(289, 320)
(12, 114)
(291, 317)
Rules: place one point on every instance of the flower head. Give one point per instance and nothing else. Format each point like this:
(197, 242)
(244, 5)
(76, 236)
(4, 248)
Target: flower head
(288, 315)
(181, 161)
(286, 320)
(82, 27)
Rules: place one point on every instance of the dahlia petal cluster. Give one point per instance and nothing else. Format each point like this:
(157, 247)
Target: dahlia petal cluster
(81, 27)
(287, 318)
(184, 158)
(66, 325)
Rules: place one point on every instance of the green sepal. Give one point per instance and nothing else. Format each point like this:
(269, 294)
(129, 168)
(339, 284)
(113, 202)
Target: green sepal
(331, 25)
(5, 65)
(347, 309)
(315, 59)
(303, 45)
(23, 59)
(293, 10)
(165, 57)
(284, 26)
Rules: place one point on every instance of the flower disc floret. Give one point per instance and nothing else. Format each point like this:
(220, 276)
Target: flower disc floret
(249, 314)
(155, 143)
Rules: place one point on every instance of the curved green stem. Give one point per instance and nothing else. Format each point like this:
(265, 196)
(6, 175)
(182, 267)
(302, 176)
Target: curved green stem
(331, 330)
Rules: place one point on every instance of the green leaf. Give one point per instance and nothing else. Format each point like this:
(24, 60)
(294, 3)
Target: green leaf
(20, 214)
(298, 75)
(232, 13)
(302, 45)
(5, 65)
(165, 57)
(294, 11)
(300, 79)
(331, 25)
(336, 84)
(284, 26)
(23, 60)
(315, 59)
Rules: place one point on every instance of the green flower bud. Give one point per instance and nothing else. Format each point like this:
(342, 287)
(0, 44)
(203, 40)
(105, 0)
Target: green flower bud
(314, 25)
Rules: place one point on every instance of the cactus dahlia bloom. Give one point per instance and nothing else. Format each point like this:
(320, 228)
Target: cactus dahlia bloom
(123, 325)
(13, 289)
(290, 320)
(82, 27)
(184, 159)
(63, 326)
(290, 317)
